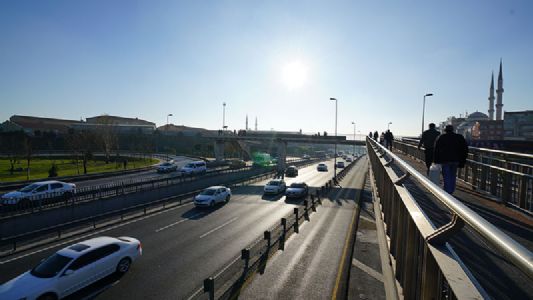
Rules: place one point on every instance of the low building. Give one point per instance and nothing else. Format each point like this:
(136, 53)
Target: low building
(180, 130)
(119, 125)
(487, 130)
(518, 125)
(37, 125)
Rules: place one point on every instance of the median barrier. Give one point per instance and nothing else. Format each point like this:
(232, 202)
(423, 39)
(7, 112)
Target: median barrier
(45, 235)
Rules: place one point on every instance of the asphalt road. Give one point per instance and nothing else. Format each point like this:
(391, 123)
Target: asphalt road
(183, 245)
(308, 267)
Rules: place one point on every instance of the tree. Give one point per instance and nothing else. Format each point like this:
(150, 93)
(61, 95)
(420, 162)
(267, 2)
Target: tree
(27, 143)
(107, 136)
(12, 145)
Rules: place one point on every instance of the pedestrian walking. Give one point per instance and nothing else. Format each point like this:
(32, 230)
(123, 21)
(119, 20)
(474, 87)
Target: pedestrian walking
(428, 141)
(451, 151)
(370, 134)
(376, 135)
(388, 139)
(382, 138)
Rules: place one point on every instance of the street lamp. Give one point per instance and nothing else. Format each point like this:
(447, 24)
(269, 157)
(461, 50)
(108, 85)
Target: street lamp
(353, 137)
(388, 125)
(223, 115)
(169, 115)
(424, 110)
(335, 155)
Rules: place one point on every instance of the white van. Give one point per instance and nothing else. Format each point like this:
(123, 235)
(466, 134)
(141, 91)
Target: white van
(195, 167)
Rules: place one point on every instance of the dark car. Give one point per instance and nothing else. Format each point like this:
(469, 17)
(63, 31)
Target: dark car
(291, 171)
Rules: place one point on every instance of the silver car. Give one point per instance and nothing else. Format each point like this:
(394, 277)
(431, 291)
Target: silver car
(212, 195)
(275, 186)
(297, 190)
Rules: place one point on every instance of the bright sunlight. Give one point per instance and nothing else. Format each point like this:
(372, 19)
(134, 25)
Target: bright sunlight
(294, 74)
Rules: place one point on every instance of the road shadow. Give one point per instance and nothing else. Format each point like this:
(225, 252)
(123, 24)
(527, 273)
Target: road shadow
(272, 197)
(196, 213)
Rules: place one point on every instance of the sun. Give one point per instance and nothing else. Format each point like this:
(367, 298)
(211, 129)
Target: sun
(294, 74)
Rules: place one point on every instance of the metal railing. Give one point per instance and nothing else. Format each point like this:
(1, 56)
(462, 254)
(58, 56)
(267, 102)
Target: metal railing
(425, 265)
(485, 171)
(227, 282)
(45, 235)
(113, 189)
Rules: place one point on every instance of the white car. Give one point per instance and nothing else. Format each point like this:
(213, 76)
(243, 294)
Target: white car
(340, 164)
(73, 268)
(275, 186)
(195, 167)
(297, 190)
(322, 167)
(166, 167)
(348, 159)
(212, 195)
(38, 191)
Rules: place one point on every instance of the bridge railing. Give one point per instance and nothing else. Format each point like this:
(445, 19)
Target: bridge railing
(424, 264)
(492, 172)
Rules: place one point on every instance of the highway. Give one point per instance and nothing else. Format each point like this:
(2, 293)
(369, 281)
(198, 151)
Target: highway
(182, 245)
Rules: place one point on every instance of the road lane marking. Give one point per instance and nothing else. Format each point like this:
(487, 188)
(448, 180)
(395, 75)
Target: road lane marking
(179, 222)
(77, 238)
(368, 270)
(217, 228)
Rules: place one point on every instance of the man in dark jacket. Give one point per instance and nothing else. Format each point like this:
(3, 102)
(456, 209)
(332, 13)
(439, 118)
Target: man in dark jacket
(428, 140)
(388, 139)
(451, 151)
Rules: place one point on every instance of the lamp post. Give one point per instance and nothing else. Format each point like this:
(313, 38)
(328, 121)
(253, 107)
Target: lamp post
(388, 125)
(169, 115)
(353, 137)
(424, 110)
(335, 155)
(223, 116)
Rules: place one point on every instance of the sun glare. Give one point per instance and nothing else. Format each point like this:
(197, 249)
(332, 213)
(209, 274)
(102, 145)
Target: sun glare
(294, 74)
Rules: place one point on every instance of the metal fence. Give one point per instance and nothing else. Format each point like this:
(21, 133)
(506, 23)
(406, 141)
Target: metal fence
(227, 282)
(11, 244)
(424, 264)
(112, 189)
(492, 172)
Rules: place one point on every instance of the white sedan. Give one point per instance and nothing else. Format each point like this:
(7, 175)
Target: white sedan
(275, 186)
(73, 268)
(39, 190)
(212, 195)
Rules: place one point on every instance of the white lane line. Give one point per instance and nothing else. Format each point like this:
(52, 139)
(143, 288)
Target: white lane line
(77, 238)
(217, 228)
(368, 270)
(179, 222)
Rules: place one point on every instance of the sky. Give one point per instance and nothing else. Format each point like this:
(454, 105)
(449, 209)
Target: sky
(279, 61)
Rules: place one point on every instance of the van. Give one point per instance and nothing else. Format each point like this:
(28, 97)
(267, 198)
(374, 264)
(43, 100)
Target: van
(195, 167)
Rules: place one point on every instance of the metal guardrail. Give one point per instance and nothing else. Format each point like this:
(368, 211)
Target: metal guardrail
(58, 230)
(226, 283)
(413, 238)
(511, 182)
(113, 189)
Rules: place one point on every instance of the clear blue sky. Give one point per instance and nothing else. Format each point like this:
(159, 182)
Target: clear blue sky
(278, 60)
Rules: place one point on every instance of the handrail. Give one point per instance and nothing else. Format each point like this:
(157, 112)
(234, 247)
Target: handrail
(500, 152)
(514, 251)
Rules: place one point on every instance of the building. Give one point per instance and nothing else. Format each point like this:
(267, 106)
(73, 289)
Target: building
(180, 130)
(120, 125)
(38, 126)
(487, 130)
(518, 125)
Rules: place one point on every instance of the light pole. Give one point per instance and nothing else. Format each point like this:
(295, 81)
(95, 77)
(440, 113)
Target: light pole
(424, 110)
(388, 125)
(169, 115)
(223, 116)
(335, 155)
(353, 137)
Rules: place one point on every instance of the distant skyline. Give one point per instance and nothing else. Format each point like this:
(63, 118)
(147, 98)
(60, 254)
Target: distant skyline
(279, 61)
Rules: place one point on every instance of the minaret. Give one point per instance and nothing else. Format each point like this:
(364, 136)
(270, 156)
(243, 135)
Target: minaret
(499, 94)
(255, 123)
(491, 98)
(246, 127)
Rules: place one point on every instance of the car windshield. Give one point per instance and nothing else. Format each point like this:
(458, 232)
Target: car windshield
(51, 266)
(208, 192)
(275, 183)
(297, 185)
(165, 164)
(322, 165)
(189, 166)
(29, 188)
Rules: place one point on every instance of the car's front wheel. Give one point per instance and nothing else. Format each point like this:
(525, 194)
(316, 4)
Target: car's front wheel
(227, 198)
(123, 265)
(48, 296)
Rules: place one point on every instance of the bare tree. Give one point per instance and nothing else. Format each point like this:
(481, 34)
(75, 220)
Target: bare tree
(107, 136)
(28, 149)
(12, 146)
